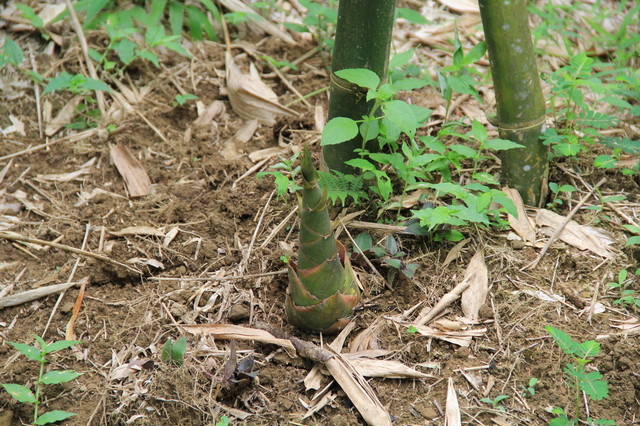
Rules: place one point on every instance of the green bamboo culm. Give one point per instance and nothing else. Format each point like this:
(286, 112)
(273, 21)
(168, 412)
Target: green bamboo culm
(323, 289)
(363, 40)
(520, 103)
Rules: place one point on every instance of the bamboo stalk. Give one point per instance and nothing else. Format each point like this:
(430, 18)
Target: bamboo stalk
(363, 39)
(520, 103)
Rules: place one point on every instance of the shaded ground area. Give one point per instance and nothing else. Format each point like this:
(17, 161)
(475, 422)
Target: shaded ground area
(207, 229)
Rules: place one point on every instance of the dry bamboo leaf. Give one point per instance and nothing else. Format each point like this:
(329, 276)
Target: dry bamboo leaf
(522, 225)
(31, 295)
(385, 368)
(242, 136)
(319, 401)
(318, 118)
(358, 390)
(250, 98)
(131, 170)
(170, 236)
(16, 126)
(441, 34)
(146, 261)
(205, 118)
(236, 332)
(85, 169)
(579, 236)
(473, 272)
(462, 6)
(476, 294)
(455, 252)
(367, 338)
(257, 21)
(261, 154)
(629, 327)
(138, 230)
(460, 338)
(64, 117)
(452, 410)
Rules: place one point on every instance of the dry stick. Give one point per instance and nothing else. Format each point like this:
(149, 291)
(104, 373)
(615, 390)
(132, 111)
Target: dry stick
(286, 82)
(12, 236)
(34, 66)
(594, 299)
(607, 203)
(373, 268)
(236, 277)
(72, 138)
(561, 227)
(279, 227)
(250, 171)
(245, 260)
(77, 27)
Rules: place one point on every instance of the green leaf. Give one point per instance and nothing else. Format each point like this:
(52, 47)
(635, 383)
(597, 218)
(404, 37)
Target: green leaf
(29, 351)
(94, 7)
(55, 377)
(364, 242)
(60, 82)
(566, 343)
(401, 114)
(360, 76)
(150, 56)
(593, 386)
(589, 349)
(20, 393)
(182, 99)
(61, 344)
(605, 162)
(338, 130)
(465, 151)
(632, 241)
(92, 84)
(126, 50)
(401, 59)
(478, 130)
(176, 17)
(53, 416)
(501, 145)
(394, 263)
(177, 351)
(475, 53)
(411, 15)
(13, 52)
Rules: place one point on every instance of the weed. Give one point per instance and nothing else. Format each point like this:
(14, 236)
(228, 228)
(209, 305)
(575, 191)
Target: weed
(173, 352)
(224, 421)
(389, 255)
(556, 191)
(628, 297)
(530, 390)
(496, 401)
(183, 99)
(285, 180)
(24, 394)
(576, 375)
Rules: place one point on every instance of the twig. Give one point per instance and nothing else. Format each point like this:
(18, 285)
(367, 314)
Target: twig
(245, 260)
(36, 88)
(77, 27)
(12, 236)
(560, 227)
(286, 82)
(594, 299)
(373, 268)
(236, 277)
(279, 227)
(250, 171)
(72, 138)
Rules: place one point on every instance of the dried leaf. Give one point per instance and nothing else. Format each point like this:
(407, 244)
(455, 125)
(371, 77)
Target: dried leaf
(236, 332)
(522, 225)
(455, 252)
(452, 410)
(250, 98)
(385, 368)
(85, 169)
(460, 338)
(579, 236)
(139, 230)
(205, 118)
(31, 295)
(257, 21)
(476, 294)
(131, 170)
(462, 6)
(629, 327)
(242, 136)
(64, 117)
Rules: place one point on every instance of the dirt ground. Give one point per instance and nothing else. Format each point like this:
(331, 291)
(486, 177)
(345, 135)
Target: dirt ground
(220, 220)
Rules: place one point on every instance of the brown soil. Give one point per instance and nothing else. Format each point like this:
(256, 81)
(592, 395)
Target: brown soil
(128, 317)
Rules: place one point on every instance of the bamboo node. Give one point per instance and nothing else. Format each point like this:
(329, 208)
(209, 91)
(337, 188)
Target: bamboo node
(526, 125)
(347, 86)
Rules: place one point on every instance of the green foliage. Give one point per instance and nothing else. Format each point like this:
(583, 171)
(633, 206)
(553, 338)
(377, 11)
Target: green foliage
(224, 421)
(496, 402)
(320, 21)
(173, 352)
(628, 296)
(285, 176)
(38, 353)
(389, 255)
(183, 99)
(556, 191)
(457, 77)
(591, 383)
(530, 390)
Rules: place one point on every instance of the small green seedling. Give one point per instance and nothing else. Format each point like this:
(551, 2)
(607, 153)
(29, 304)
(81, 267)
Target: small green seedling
(224, 421)
(628, 297)
(531, 389)
(285, 175)
(576, 375)
(173, 352)
(183, 99)
(557, 190)
(24, 394)
(496, 401)
(389, 255)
